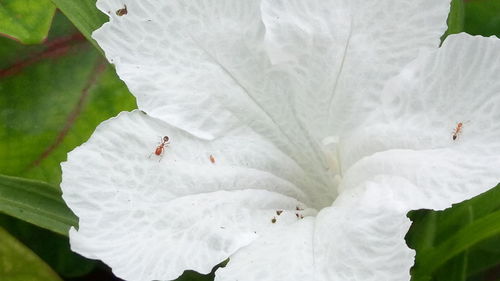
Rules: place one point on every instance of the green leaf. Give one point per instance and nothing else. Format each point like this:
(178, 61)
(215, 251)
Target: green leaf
(484, 256)
(19, 263)
(456, 19)
(84, 15)
(52, 97)
(482, 17)
(26, 20)
(35, 202)
(53, 248)
(476, 17)
(450, 244)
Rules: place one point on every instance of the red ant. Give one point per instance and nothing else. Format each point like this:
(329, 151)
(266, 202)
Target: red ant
(161, 147)
(458, 130)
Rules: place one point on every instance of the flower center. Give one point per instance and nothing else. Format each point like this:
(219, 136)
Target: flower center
(332, 153)
(331, 150)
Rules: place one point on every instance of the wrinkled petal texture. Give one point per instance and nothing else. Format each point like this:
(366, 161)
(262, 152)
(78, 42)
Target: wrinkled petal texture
(407, 159)
(200, 66)
(360, 237)
(291, 70)
(152, 217)
(384, 37)
(284, 254)
(411, 134)
(343, 51)
(246, 92)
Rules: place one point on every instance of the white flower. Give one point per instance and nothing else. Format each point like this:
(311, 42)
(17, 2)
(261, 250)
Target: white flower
(337, 111)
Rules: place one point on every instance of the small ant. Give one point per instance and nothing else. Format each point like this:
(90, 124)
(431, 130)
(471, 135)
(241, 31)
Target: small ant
(122, 12)
(161, 147)
(458, 130)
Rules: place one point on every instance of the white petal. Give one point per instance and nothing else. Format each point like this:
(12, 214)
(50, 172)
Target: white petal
(200, 66)
(309, 38)
(283, 254)
(160, 51)
(152, 217)
(411, 134)
(385, 36)
(341, 53)
(361, 237)
(159, 240)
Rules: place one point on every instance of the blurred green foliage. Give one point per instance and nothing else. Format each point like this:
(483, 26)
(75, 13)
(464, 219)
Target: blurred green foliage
(54, 94)
(19, 263)
(84, 15)
(52, 98)
(26, 20)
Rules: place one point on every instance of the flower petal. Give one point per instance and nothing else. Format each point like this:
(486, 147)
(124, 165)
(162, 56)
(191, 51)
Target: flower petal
(411, 134)
(160, 51)
(361, 237)
(384, 37)
(152, 217)
(341, 53)
(200, 66)
(309, 39)
(283, 254)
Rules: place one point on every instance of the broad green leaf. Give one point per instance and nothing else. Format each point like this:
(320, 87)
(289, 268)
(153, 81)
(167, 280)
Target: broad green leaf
(476, 17)
(35, 202)
(26, 20)
(451, 244)
(84, 15)
(52, 97)
(53, 248)
(18, 263)
(484, 256)
(482, 17)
